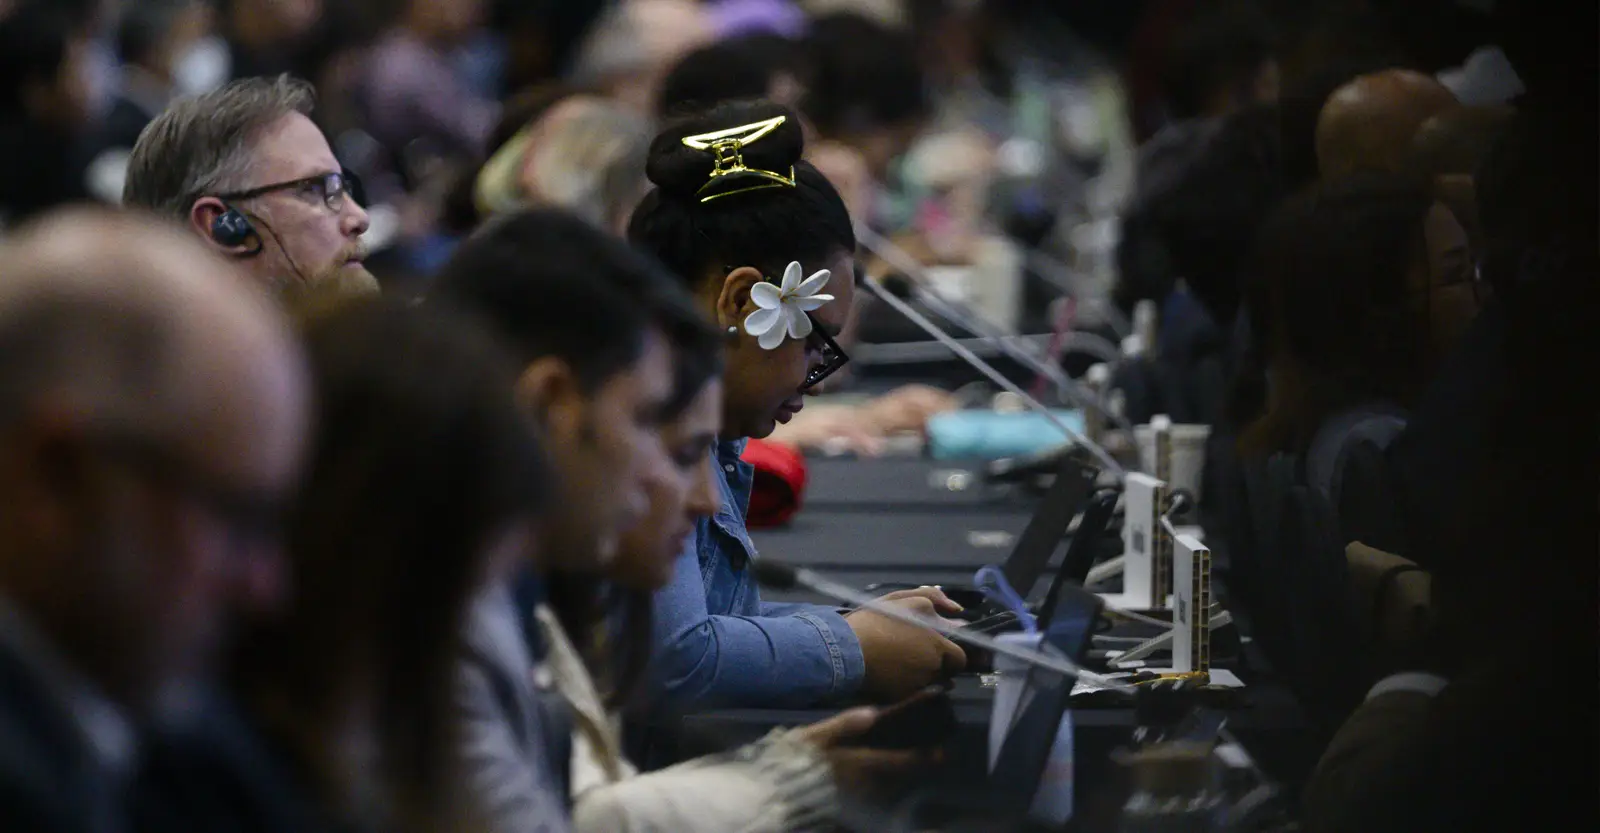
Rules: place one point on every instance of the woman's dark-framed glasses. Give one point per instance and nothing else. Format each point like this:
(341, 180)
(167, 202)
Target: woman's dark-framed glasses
(331, 188)
(833, 356)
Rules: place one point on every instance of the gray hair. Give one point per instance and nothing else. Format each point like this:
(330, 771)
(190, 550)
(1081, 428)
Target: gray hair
(203, 144)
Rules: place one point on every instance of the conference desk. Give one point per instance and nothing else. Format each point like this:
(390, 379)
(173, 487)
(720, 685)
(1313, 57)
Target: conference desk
(869, 485)
(922, 536)
(1268, 723)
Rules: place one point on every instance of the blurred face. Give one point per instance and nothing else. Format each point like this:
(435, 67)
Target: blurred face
(310, 238)
(608, 452)
(293, 17)
(764, 388)
(449, 19)
(677, 500)
(65, 102)
(176, 536)
(1446, 281)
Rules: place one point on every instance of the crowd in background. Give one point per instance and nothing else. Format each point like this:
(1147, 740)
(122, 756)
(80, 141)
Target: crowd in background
(266, 460)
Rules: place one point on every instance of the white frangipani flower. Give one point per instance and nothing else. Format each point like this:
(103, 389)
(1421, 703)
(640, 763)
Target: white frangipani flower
(784, 307)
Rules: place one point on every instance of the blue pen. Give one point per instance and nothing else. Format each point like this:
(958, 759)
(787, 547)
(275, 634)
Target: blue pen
(994, 586)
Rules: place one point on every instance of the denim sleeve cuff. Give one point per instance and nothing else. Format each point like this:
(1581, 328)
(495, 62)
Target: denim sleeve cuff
(844, 650)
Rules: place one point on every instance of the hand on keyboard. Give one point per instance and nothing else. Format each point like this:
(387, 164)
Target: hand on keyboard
(902, 658)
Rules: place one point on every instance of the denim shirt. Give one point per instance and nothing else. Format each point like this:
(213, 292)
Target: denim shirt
(719, 645)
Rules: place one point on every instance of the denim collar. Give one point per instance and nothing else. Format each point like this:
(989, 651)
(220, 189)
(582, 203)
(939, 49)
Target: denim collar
(734, 485)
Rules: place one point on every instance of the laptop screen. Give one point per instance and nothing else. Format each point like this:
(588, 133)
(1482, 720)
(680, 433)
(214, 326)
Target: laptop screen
(1019, 767)
(1049, 523)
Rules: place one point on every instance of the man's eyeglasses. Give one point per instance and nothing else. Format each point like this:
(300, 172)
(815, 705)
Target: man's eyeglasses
(331, 188)
(250, 517)
(833, 356)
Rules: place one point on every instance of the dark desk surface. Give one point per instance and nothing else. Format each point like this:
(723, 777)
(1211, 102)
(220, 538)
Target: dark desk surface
(847, 484)
(931, 539)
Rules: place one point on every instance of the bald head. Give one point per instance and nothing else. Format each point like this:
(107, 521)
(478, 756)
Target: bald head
(1456, 140)
(145, 322)
(1369, 123)
(161, 397)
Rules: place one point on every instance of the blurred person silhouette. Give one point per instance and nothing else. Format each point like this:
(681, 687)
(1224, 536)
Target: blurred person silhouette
(542, 38)
(594, 327)
(735, 19)
(731, 233)
(1300, 107)
(1450, 147)
(1361, 287)
(460, 216)
(583, 153)
(269, 37)
(246, 170)
(865, 88)
(765, 66)
(155, 409)
(47, 112)
(1222, 67)
(631, 47)
(1491, 728)
(1369, 123)
(1221, 63)
(1202, 226)
(411, 90)
(423, 487)
(167, 50)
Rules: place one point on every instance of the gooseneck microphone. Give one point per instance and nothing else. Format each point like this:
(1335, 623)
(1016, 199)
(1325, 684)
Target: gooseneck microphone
(1100, 454)
(914, 275)
(780, 576)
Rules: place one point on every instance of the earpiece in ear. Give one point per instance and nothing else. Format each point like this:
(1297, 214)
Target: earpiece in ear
(231, 229)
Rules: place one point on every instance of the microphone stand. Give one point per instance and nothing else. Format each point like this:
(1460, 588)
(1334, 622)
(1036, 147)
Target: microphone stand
(1100, 454)
(988, 331)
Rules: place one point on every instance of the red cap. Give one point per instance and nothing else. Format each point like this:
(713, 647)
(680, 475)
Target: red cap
(780, 483)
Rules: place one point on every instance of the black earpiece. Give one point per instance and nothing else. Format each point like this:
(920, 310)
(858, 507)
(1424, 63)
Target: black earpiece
(232, 229)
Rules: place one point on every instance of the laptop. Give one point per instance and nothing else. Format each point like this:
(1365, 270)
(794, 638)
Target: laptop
(1030, 557)
(1019, 767)
(1079, 560)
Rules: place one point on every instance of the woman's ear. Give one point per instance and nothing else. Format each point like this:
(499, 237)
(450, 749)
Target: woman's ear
(733, 302)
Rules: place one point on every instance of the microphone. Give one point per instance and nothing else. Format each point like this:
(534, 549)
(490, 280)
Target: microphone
(912, 273)
(1038, 463)
(780, 576)
(900, 287)
(1100, 454)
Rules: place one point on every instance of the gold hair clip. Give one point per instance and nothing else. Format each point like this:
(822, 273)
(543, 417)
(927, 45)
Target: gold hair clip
(727, 151)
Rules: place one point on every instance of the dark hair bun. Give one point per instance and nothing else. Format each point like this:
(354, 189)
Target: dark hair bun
(681, 172)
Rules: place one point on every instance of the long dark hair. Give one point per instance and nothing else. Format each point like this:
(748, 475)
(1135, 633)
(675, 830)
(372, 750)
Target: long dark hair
(419, 460)
(765, 228)
(1329, 305)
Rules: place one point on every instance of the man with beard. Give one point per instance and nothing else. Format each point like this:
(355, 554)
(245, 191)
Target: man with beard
(245, 168)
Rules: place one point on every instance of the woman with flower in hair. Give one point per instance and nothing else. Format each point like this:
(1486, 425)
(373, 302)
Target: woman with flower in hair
(766, 245)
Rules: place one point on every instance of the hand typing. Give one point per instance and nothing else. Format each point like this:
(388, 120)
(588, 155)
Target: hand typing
(903, 658)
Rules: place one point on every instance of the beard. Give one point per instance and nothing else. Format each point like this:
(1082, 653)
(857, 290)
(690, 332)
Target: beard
(329, 289)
